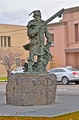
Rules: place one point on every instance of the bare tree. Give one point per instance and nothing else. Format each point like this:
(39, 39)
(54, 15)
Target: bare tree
(8, 59)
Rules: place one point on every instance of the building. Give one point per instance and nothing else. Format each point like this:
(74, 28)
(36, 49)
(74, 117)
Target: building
(13, 37)
(65, 35)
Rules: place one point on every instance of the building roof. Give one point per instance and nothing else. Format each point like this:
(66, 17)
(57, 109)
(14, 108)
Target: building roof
(71, 10)
(57, 24)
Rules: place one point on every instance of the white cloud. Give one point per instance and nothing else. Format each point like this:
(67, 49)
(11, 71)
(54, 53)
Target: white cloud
(17, 11)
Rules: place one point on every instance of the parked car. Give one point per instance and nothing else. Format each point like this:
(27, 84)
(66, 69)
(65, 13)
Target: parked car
(18, 70)
(66, 74)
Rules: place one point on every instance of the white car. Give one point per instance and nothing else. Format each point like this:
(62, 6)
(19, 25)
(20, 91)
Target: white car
(18, 70)
(66, 74)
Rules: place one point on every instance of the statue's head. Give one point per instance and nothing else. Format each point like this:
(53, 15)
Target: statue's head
(36, 13)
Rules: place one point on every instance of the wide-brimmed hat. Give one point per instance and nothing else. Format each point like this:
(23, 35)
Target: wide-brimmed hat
(36, 13)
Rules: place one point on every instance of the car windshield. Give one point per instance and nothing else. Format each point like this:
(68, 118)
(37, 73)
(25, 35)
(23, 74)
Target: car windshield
(18, 69)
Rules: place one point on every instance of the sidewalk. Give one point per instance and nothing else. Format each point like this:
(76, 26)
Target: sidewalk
(65, 103)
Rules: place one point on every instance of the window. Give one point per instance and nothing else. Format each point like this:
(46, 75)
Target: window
(60, 70)
(76, 33)
(22, 62)
(9, 44)
(17, 61)
(1, 42)
(52, 37)
(5, 41)
(52, 71)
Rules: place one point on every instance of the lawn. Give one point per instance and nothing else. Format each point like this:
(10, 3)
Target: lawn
(3, 79)
(70, 116)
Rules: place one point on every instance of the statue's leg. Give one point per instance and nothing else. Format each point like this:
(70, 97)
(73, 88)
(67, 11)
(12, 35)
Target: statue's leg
(30, 63)
(40, 63)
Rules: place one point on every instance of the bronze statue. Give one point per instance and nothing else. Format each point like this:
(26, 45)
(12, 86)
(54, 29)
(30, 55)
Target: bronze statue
(37, 32)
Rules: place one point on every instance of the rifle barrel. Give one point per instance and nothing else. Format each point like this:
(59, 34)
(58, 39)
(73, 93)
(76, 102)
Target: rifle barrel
(51, 18)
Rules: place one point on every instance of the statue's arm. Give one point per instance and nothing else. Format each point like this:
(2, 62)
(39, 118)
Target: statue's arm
(48, 36)
(32, 32)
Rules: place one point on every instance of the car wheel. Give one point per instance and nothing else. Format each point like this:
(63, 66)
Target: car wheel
(65, 80)
(77, 82)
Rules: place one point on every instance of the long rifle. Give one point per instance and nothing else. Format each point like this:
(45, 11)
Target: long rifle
(51, 18)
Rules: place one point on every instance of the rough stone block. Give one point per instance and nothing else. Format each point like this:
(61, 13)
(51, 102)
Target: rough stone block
(31, 89)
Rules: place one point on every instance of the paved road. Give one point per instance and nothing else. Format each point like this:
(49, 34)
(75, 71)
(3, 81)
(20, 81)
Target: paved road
(68, 89)
(67, 100)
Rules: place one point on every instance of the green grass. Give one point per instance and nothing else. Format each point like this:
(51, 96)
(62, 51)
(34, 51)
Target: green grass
(3, 79)
(70, 116)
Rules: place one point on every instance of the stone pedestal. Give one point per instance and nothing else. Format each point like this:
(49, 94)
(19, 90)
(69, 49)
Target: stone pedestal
(31, 89)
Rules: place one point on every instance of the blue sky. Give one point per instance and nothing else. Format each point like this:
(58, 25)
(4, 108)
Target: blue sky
(17, 11)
